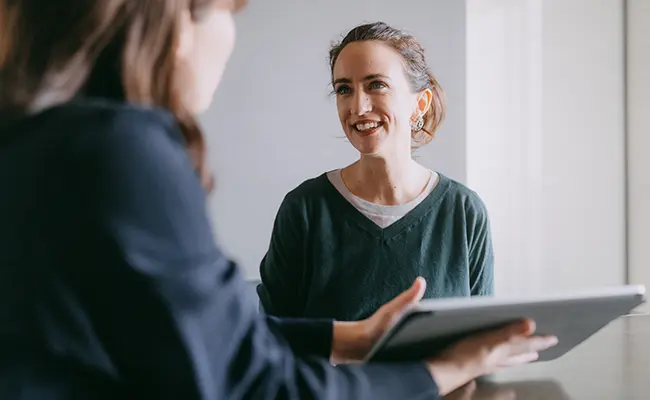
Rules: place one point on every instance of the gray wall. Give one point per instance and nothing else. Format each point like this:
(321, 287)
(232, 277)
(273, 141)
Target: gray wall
(273, 123)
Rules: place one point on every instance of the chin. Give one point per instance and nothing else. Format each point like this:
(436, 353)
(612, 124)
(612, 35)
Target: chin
(196, 101)
(368, 150)
(198, 106)
(367, 147)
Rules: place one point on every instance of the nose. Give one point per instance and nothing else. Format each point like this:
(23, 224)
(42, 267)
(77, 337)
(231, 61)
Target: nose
(361, 103)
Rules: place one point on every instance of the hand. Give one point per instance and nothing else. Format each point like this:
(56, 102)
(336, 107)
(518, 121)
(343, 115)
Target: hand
(353, 340)
(488, 353)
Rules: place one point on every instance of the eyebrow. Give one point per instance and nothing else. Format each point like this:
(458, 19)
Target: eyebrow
(366, 78)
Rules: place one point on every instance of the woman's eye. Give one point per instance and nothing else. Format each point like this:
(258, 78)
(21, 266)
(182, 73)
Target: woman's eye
(343, 89)
(377, 85)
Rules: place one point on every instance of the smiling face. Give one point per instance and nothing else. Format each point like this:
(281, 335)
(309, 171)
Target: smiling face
(374, 98)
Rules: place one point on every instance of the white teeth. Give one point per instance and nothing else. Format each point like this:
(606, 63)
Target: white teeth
(366, 126)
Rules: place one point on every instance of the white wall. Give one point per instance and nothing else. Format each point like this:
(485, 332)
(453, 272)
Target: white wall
(273, 124)
(545, 139)
(584, 139)
(504, 132)
(638, 91)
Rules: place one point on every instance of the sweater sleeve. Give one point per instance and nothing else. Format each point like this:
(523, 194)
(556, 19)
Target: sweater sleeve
(169, 308)
(282, 269)
(481, 254)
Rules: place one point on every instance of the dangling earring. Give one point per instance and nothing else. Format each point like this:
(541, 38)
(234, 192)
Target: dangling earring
(418, 124)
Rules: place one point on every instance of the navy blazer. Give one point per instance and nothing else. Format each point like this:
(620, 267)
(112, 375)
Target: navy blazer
(112, 286)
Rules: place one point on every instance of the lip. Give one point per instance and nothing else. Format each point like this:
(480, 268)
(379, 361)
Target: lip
(365, 121)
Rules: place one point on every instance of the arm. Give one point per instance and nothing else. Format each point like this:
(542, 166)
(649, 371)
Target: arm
(294, 331)
(481, 255)
(340, 341)
(282, 268)
(170, 309)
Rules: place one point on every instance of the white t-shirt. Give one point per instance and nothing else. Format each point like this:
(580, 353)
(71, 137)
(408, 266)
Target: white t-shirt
(382, 215)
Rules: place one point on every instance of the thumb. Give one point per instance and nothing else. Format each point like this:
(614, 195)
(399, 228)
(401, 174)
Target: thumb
(408, 297)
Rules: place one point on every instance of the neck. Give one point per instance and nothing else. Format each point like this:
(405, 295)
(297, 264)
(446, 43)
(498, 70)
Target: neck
(389, 180)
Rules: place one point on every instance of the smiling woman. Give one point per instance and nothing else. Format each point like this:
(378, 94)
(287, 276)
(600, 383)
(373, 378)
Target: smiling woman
(346, 241)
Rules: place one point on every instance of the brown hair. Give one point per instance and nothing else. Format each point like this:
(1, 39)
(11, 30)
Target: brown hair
(51, 51)
(415, 68)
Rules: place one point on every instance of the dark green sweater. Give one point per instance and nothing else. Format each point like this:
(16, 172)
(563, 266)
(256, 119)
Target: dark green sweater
(327, 259)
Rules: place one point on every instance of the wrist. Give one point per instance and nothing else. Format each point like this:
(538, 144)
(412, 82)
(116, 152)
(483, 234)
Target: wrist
(349, 342)
(450, 375)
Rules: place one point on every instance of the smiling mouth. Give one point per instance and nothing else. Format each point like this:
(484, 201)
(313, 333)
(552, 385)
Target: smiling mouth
(367, 128)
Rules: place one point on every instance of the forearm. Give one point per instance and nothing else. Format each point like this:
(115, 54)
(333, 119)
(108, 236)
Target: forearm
(350, 342)
(449, 375)
(339, 341)
(263, 364)
(306, 337)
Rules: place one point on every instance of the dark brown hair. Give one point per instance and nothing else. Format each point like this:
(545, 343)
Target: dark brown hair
(415, 68)
(53, 50)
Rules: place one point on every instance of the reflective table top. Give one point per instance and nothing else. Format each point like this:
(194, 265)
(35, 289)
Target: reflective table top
(613, 364)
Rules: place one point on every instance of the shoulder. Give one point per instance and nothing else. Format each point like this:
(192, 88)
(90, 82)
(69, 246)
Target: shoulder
(117, 122)
(101, 131)
(311, 194)
(463, 196)
(310, 190)
(108, 144)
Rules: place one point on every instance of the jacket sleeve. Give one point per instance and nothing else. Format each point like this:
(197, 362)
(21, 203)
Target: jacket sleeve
(295, 330)
(170, 308)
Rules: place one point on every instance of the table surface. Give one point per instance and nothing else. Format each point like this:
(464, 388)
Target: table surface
(612, 364)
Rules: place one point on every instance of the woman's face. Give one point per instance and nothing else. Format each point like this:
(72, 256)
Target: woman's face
(205, 46)
(374, 98)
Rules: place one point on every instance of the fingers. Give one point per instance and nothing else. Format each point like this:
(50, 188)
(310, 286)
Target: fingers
(519, 359)
(419, 286)
(531, 344)
(514, 345)
(408, 297)
(525, 327)
(525, 350)
(510, 333)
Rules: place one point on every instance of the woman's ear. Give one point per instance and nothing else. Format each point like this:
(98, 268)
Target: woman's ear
(424, 102)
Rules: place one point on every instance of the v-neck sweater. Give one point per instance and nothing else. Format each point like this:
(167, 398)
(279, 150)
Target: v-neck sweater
(327, 259)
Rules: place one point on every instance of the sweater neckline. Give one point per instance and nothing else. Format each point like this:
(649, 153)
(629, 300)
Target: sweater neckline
(356, 217)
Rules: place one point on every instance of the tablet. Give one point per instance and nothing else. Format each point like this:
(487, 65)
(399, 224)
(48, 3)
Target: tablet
(431, 326)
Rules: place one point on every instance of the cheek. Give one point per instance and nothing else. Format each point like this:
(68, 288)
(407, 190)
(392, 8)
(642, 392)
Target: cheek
(387, 107)
(217, 47)
(343, 110)
(214, 43)
(400, 111)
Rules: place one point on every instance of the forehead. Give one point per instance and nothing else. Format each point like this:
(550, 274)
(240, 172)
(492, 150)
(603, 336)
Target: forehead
(360, 59)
